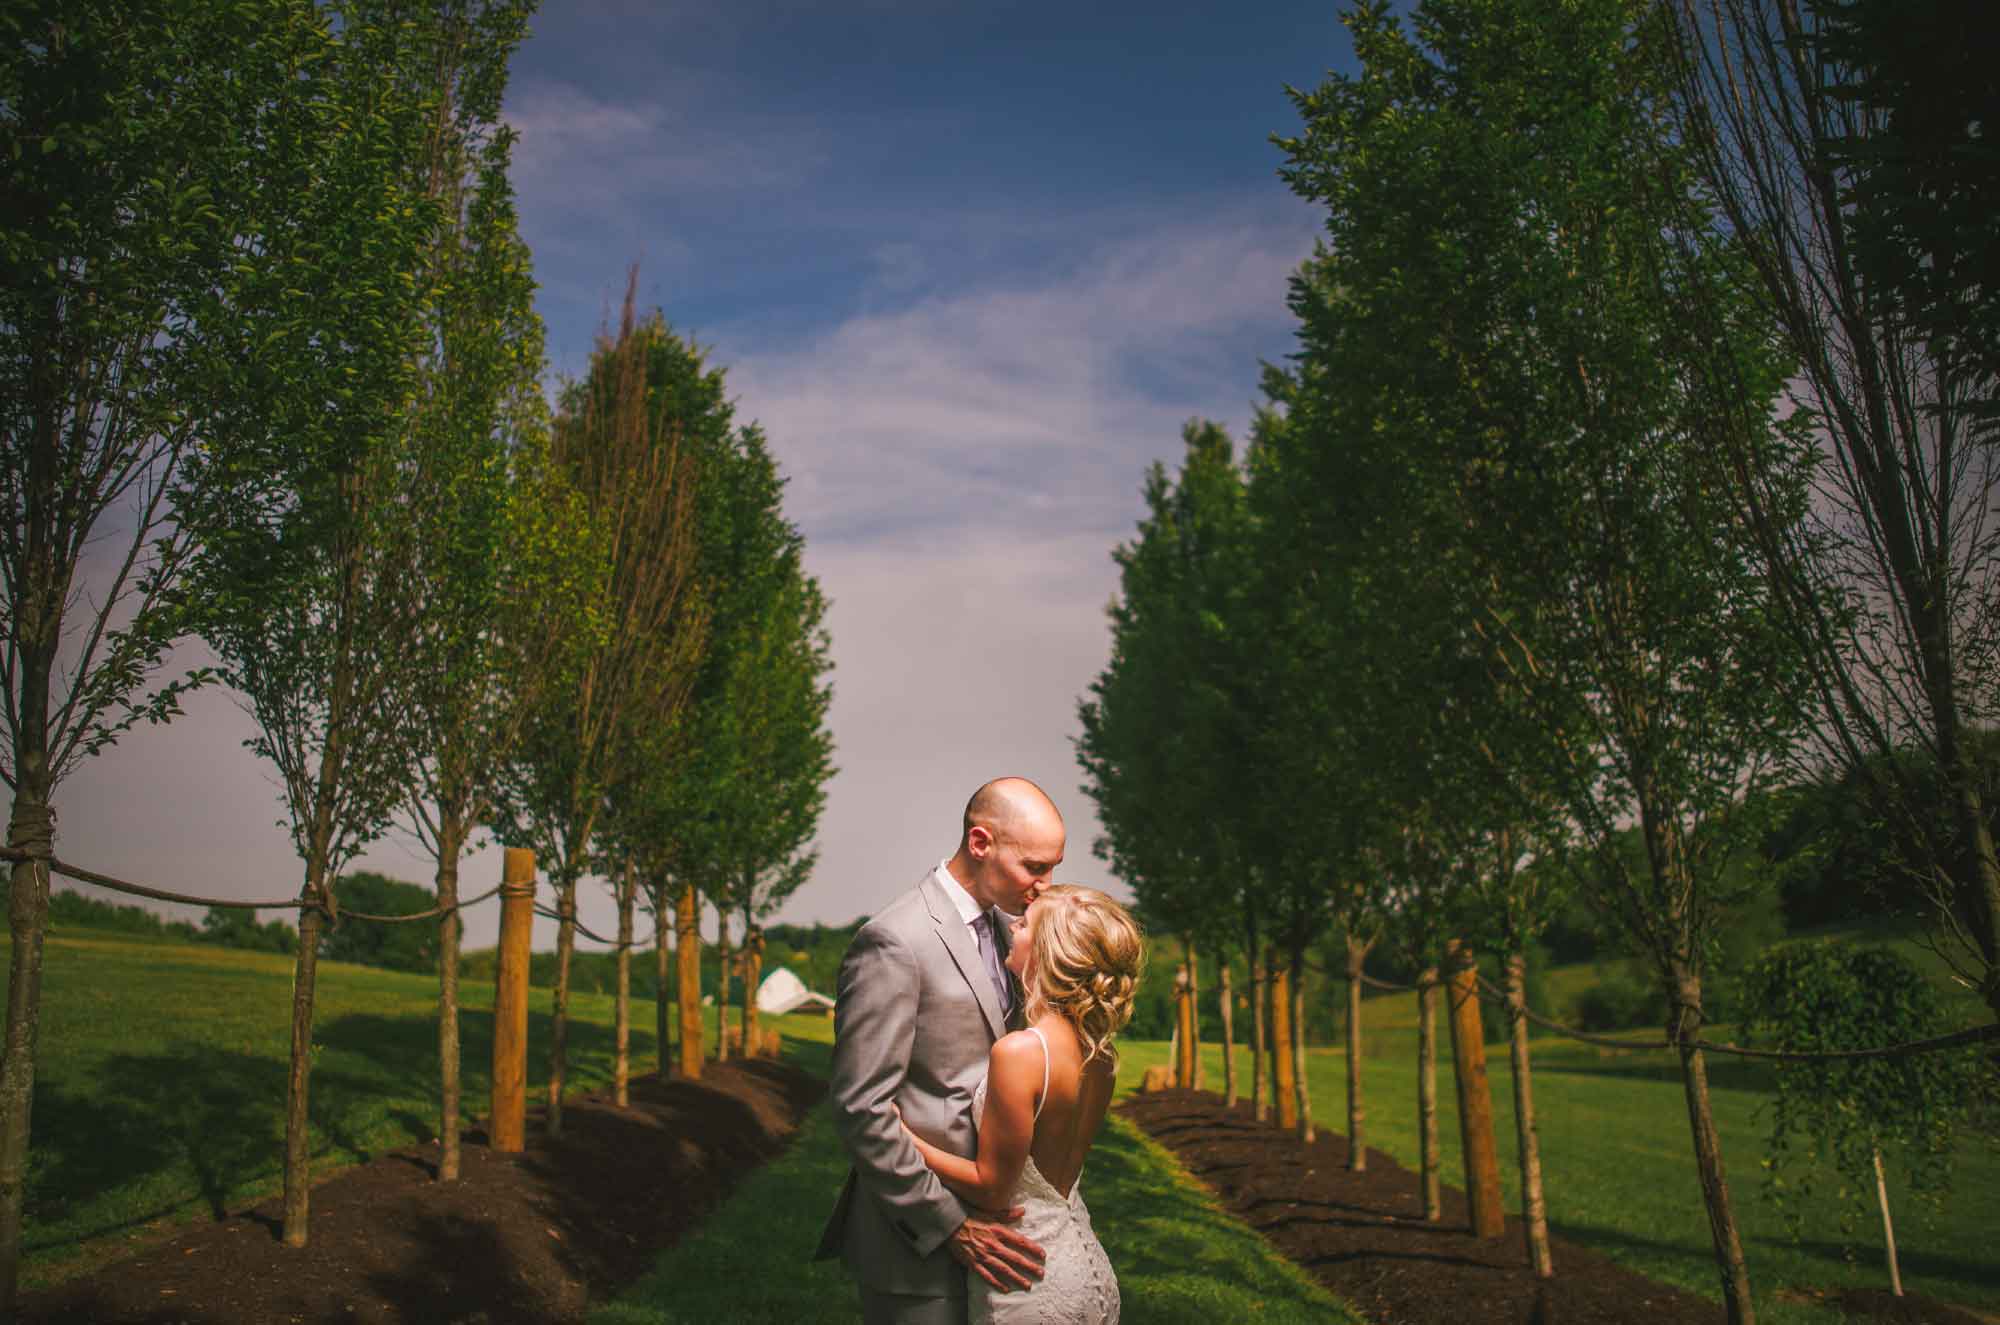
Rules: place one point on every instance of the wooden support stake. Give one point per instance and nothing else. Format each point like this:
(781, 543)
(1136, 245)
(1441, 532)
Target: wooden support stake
(1475, 1094)
(753, 973)
(507, 1130)
(1284, 1085)
(687, 930)
(1184, 1024)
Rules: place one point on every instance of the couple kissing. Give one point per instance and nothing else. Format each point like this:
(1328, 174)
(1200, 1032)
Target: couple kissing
(972, 1067)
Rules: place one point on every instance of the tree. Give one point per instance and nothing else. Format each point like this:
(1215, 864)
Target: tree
(497, 544)
(621, 444)
(1888, 577)
(1827, 996)
(728, 793)
(1919, 173)
(1162, 737)
(307, 522)
(1521, 264)
(135, 234)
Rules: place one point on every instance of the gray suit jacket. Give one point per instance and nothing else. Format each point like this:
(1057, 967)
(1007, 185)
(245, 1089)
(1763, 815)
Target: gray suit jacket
(914, 1021)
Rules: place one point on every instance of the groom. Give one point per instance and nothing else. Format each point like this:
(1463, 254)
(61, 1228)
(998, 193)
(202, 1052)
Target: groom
(923, 996)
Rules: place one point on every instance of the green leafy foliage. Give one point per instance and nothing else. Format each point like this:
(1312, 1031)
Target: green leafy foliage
(1919, 167)
(410, 946)
(233, 927)
(1850, 843)
(727, 791)
(1822, 995)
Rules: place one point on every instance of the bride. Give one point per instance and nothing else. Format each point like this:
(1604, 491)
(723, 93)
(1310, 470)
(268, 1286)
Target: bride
(1077, 954)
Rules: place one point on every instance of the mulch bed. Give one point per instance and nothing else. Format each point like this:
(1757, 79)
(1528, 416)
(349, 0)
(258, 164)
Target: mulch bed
(533, 1237)
(1363, 1235)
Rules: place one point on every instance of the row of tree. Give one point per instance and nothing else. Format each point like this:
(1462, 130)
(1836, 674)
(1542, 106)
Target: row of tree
(273, 379)
(1629, 467)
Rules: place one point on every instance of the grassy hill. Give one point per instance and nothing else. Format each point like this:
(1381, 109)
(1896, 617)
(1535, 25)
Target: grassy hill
(161, 1090)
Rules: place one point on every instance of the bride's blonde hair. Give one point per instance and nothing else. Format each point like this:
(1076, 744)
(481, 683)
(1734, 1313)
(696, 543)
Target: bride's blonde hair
(1085, 956)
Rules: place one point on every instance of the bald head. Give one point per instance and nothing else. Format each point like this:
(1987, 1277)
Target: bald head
(1012, 838)
(1004, 805)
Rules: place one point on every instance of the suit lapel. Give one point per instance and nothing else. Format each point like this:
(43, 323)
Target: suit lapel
(958, 941)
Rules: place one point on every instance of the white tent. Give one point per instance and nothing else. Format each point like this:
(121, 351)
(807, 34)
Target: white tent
(784, 992)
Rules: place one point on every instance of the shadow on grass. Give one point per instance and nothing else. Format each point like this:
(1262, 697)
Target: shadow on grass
(218, 1114)
(1725, 1071)
(404, 1051)
(1916, 1263)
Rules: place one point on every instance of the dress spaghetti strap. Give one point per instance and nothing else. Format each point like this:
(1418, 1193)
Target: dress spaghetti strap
(1043, 1098)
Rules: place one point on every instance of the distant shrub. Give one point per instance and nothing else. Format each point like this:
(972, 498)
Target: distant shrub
(411, 946)
(232, 927)
(69, 909)
(1618, 1001)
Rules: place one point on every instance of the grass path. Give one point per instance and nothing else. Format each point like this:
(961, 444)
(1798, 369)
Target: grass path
(1180, 1259)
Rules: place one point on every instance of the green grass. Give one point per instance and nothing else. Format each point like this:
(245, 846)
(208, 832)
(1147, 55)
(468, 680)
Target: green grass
(160, 1098)
(1179, 1258)
(160, 1085)
(1618, 1163)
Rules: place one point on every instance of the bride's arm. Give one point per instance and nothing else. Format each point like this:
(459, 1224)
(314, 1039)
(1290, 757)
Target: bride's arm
(1006, 1129)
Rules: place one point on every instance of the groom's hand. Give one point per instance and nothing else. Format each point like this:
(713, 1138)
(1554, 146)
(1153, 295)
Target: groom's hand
(1001, 1255)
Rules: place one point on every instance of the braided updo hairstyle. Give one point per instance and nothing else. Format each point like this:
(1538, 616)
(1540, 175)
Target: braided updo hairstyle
(1084, 962)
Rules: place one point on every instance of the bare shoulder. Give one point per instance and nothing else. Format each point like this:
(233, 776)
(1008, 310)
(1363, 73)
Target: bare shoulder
(1017, 1050)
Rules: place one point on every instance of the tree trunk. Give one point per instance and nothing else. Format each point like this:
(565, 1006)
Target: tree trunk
(1227, 997)
(1357, 1113)
(451, 841)
(1728, 1244)
(1194, 1019)
(1429, 1141)
(621, 998)
(1534, 1212)
(1259, 1042)
(30, 828)
(1299, 1082)
(722, 982)
(687, 930)
(1888, 1227)
(559, 1018)
(661, 971)
(1282, 1062)
(1982, 910)
(297, 1151)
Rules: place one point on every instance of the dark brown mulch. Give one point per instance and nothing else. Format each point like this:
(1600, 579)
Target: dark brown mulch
(530, 1238)
(1363, 1235)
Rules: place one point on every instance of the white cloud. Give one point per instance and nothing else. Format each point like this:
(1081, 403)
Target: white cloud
(581, 153)
(1030, 409)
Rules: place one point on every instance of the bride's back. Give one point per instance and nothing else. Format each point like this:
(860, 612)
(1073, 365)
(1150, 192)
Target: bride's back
(1078, 1097)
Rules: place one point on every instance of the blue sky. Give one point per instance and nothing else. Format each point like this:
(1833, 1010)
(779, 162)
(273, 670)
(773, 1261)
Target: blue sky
(971, 267)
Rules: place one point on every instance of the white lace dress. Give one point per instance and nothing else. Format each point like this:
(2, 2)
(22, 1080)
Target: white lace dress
(1077, 1286)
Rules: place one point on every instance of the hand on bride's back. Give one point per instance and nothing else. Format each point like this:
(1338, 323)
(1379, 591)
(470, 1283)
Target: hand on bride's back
(989, 1246)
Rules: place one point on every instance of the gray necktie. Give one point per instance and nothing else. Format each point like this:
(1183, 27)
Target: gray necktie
(989, 953)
